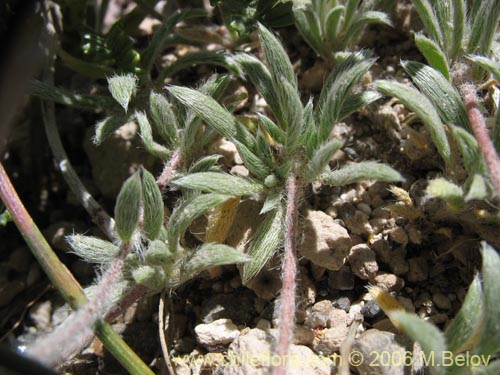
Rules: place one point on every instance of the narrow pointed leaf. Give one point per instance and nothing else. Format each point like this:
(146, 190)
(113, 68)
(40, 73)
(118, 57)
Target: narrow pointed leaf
(205, 164)
(274, 131)
(459, 21)
(332, 23)
(471, 153)
(355, 172)
(356, 28)
(207, 108)
(151, 146)
(489, 64)
(272, 202)
(440, 92)
(277, 59)
(209, 256)
(107, 126)
(430, 338)
(127, 207)
(187, 211)
(123, 88)
(478, 189)
(418, 103)
(354, 102)
(489, 339)
(429, 19)
(321, 158)
(308, 24)
(163, 117)
(92, 249)
(153, 206)
(252, 162)
(268, 238)
(433, 54)
(448, 191)
(463, 330)
(219, 183)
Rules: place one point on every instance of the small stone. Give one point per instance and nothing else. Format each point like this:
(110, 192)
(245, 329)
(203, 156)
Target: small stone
(364, 208)
(442, 302)
(399, 235)
(227, 149)
(303, 336)
(418, 269)
(342, 303)
(263, 324)
(219, 332)
(406, 303)
(324, 242)
(235, 282)
(239, 170)
(388, 282)
(342, 279)
(371, 309)
(362, 261)
(358, 223)
(372, 344)
(330, 340)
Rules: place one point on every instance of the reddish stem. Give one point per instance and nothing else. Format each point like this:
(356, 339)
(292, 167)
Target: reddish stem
(289, 271)
(483, 138)
(170, 167)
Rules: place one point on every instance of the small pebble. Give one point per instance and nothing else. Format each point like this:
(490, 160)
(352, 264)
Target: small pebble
(442, 302)
(342, 279)
(342, 303)
(371, 309)
(219, 332)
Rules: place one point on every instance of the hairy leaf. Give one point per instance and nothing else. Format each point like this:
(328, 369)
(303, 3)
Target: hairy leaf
(321, 158)
(448, 191)
(123, 88)
(355, 172)
(219, 183)
(163, 117)
(153, 214)
(127, 207)
(92, 249)
(433, 54)
(147, 138)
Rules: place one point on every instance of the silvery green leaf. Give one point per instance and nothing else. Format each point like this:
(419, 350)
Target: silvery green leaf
(219, 183)
(127, 207)
(418, 103)
(252, 162)
(208, 256)
(274, 131)
(158, 253)
(483, 28)
(268, 237)
(440, 92)
(433, 54)
(59, 95)
(426, 12)
(92, 249)
(430, 338)
(452, 194)
(332, 23)
(354, 102)
(264, 149)
(272, 202)
(187, 211)
(321, 158)
(308, 24)
(467, 322)
(123, 88)
(147, 138)
(459, 25)
(277, 59)
(163, 117)
(365, 170)
(488, 64)
(292, 110)
(152, 277)
(469, 148)
(203, 57)
(259, 74)
(336, 90)
(206, 108)
(356, 28)
(107, 126)
(153, 214)
(478, 189)
(489, 338)
(350, 11)
(205, 164)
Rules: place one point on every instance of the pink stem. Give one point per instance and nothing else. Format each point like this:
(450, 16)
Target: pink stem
(287, 303)
(170, 167)
(483, 138)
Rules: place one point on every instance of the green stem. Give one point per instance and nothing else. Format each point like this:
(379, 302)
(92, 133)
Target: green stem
(62, 278)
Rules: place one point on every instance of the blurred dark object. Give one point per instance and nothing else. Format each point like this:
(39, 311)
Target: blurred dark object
(13, 363)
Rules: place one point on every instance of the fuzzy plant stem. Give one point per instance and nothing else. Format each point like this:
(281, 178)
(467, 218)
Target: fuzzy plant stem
(170, 167)
(289, 272)
(60, 276)
(71, 336)
(483, 139)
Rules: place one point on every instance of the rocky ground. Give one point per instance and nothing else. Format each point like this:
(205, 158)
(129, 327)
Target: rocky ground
(392, 237)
